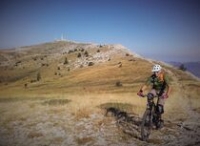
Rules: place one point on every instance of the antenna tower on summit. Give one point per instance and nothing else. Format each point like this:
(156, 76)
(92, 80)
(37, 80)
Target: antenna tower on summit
(61, 38)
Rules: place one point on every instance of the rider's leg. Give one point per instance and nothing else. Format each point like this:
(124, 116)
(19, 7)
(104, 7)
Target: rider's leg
(151, 94)
(160, 106)
(160, 111)
(161, 101)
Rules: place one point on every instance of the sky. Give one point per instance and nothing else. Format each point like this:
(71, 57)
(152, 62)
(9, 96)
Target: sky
(166, 30)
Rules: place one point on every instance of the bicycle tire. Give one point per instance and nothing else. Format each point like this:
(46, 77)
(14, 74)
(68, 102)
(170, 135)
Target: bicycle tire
(146, 125)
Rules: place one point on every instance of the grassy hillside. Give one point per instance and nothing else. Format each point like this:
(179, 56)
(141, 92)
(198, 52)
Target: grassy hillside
(76, 68)
(65, 82)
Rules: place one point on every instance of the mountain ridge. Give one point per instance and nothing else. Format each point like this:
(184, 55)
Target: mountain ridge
(63, 57)
(54, 93)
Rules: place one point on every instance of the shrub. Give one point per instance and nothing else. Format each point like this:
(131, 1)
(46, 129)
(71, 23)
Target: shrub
(79, 55)
(45, 64)
(86, 54)
(118, 84)
(182, 67)
(66, 61)
(25, 85)
(90, 63)
(38, 77)
(32, 81)
(70, 51)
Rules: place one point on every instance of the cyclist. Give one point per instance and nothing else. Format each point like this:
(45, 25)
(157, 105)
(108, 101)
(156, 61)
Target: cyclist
(159, 87)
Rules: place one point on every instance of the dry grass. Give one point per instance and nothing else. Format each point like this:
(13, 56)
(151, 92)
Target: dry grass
(52, 108)
(34, 134)
(86, 99)
(155, 141)
(56, 102)
(85, 140)
(82, 113)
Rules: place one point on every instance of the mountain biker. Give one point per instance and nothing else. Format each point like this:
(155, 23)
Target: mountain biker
(159, 87)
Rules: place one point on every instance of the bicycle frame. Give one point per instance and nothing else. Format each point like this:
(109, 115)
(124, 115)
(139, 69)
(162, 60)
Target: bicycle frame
(149, 117)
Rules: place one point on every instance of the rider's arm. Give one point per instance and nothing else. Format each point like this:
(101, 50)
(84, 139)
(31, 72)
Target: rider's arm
(147, 83)
(143, 87)
(168, 87)
(168, 90)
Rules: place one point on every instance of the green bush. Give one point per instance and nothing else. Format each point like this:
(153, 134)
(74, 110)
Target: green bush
(91, 64)
(66, 61)
(79, 55)
(182, 67)
(86, 54)
(38, 77)
(118, 84)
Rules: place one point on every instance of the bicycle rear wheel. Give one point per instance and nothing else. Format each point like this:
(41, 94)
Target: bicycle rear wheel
(146, 125)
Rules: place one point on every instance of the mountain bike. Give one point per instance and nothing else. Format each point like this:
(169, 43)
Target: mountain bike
(151, 119)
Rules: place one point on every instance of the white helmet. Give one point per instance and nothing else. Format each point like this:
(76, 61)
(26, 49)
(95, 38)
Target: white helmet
(156, 68)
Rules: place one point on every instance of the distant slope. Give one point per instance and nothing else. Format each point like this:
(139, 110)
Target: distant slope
(193, 67)
(68, 66)
(61, 59)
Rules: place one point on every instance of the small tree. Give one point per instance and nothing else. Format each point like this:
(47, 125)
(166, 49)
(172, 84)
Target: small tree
(182, 67)
(79, 55)
(66, 61)
(90, 63)
(118, 84)
(38, 76)
(86, 54)
(82, 50)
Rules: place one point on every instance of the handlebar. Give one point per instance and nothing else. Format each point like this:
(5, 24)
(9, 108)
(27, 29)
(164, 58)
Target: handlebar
(145, 95)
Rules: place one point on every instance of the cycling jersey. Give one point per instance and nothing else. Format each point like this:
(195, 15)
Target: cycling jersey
(158, 82)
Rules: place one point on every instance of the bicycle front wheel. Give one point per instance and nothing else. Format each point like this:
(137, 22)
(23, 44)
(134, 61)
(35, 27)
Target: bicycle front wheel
(146, 125)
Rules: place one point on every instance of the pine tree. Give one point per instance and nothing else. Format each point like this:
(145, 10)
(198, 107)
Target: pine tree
(66, 61)
(38, 76)
(182, 67)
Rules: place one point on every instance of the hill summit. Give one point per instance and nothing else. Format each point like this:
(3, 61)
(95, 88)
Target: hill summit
(69, 64)
(56, 94)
